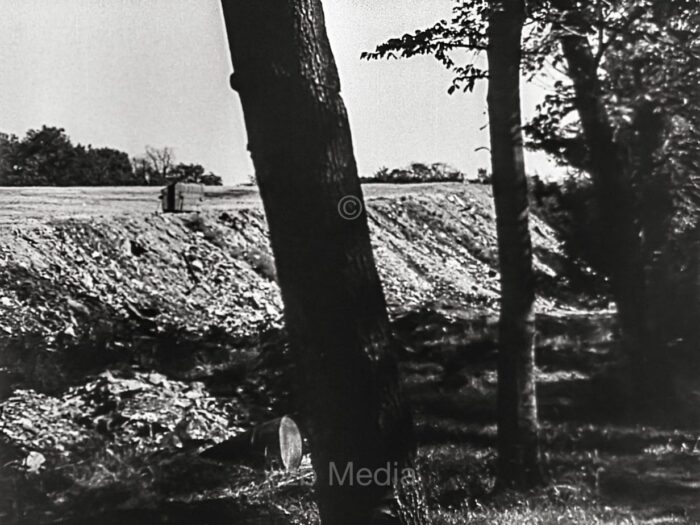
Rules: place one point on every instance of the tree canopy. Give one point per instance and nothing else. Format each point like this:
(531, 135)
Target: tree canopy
(48, 157)
(623, 106)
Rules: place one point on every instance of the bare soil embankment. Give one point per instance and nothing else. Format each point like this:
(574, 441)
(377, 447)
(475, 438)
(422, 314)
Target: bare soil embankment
(114, 257)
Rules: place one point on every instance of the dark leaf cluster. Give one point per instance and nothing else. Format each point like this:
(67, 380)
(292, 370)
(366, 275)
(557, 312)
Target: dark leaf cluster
(48, 157)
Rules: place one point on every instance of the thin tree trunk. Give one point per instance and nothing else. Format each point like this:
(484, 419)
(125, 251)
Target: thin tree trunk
(658, 359)
(614, 194)
(335, 311)
(518, 441)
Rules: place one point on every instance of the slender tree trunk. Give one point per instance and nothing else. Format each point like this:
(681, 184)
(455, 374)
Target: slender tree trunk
(518, 442)
(658, 357)
(335, 311)
(610, 173)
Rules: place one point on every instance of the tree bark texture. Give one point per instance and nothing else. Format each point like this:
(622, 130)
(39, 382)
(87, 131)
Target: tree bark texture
(518, 441)
(335, 311)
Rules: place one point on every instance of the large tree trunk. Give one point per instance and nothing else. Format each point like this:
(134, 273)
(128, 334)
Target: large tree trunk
(611, 176)
(335, 311)
(518, 443)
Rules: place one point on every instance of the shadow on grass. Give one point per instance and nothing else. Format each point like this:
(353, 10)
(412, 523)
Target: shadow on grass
(604, 467)
(619, 471)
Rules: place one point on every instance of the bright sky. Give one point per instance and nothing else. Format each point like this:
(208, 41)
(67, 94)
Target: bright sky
(131, 73)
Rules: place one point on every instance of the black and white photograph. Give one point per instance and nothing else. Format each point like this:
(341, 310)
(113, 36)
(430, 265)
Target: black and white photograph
(349, 262)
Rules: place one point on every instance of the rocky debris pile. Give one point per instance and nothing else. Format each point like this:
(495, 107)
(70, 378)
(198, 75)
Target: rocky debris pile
(121, 438)
(114, 289)
(144, 410)
(186, 271)
(61, 278)
(442, 248)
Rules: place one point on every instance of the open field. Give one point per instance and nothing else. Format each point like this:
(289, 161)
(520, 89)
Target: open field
(38, 203)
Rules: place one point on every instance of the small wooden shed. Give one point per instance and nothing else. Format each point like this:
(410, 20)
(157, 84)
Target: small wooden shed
(182, 197)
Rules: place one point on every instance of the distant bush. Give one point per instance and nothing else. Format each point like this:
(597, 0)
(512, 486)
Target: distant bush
(157, 167)
(194, 173)
(47, 157)
(417, 172)
(483, 176)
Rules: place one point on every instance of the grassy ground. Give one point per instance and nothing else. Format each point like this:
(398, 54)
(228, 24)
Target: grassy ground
(602, 466)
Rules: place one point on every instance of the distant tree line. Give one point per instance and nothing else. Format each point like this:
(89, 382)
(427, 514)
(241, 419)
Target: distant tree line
(47, 157)
(417, 172)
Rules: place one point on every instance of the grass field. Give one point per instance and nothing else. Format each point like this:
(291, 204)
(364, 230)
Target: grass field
(39, 203)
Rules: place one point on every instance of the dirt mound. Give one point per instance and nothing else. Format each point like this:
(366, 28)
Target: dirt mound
(62, 277)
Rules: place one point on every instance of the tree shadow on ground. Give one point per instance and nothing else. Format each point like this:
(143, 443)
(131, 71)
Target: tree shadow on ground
(590, 438)
(596, 455)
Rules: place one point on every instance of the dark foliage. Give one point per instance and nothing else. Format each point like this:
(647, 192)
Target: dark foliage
(417, 172)
(568, 207)
(195, 173)
(623, 107)
(47, 157)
